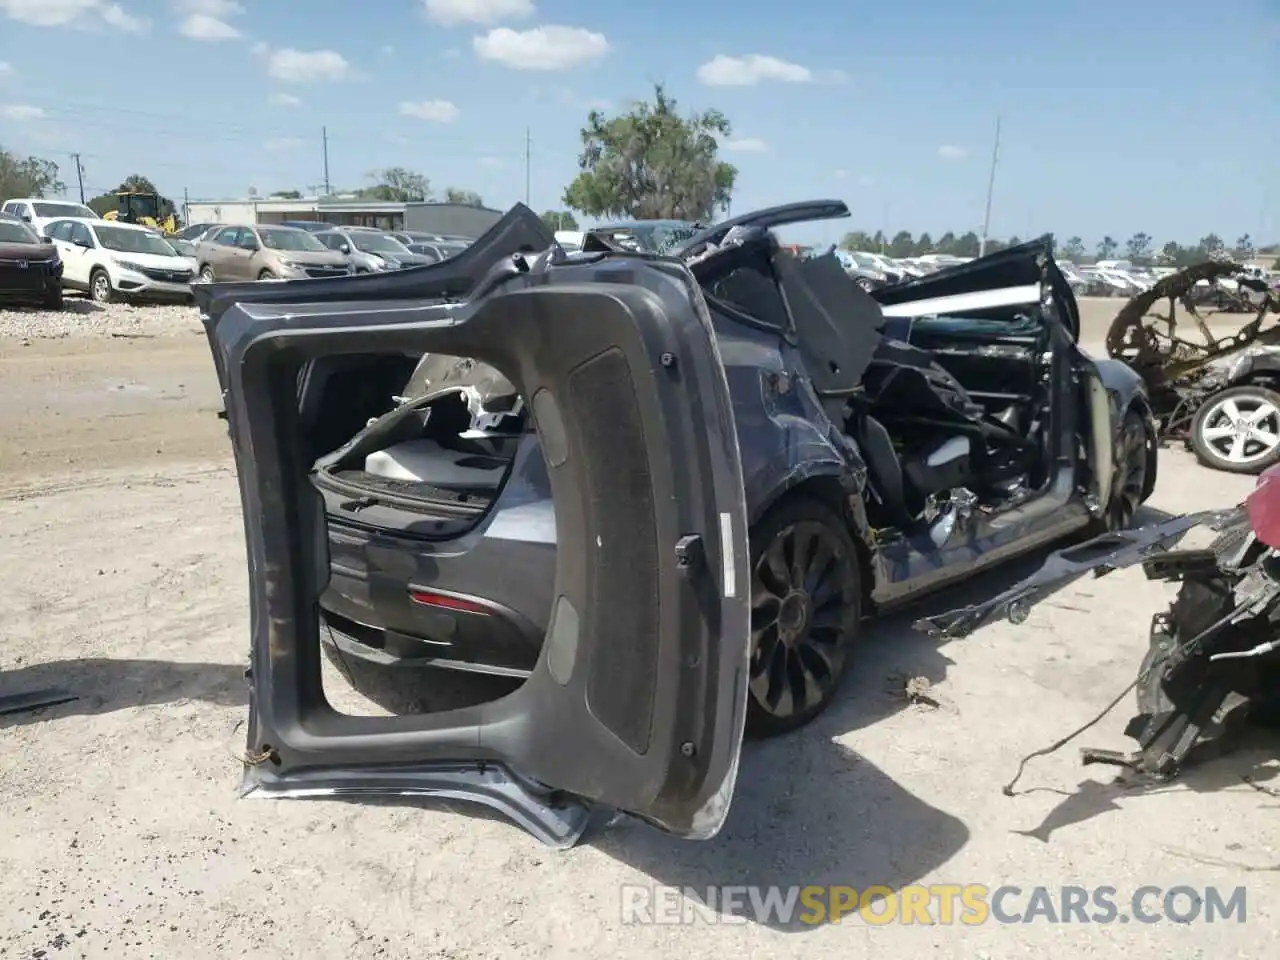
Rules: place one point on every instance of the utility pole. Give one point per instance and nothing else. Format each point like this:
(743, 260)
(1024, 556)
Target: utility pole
(991, 185)
(186, 207)
(79, 174)
(324, 137)
(528, 150)
(884, 227)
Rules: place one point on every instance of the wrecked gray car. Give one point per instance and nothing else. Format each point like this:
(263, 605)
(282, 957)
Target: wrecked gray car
(514, 510)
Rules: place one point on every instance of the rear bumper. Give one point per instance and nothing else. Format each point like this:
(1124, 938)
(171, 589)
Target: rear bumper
(482, 601)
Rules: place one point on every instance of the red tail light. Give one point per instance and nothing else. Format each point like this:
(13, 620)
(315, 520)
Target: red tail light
(1263, 506)
(445, 602)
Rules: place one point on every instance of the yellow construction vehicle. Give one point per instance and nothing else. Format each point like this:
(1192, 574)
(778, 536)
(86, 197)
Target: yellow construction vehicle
(144, 209)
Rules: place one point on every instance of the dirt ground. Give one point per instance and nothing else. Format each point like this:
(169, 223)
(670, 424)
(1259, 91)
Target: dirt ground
(122, 578)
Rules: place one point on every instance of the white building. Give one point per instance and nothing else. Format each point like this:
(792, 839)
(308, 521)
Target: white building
(338, 210)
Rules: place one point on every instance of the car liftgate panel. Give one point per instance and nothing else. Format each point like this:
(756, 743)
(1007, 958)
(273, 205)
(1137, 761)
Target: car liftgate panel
(638, 699)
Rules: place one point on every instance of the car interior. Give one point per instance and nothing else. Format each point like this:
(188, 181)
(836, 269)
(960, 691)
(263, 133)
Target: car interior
(946, 409)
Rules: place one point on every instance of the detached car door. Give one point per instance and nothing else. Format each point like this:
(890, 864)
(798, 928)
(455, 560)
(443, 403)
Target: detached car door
(638, 699)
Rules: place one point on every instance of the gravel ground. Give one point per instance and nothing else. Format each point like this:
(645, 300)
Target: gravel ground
(81, 317)
(122, 577)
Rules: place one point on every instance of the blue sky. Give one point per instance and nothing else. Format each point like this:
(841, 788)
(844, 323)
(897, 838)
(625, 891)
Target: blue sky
(1161, 117)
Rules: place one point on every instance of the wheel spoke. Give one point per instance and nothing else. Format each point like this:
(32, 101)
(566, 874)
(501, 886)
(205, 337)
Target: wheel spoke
(1218, 433)
(775, 564)
(1265, 437)
(1237, 447)
(1230, 410)
(1263, 411)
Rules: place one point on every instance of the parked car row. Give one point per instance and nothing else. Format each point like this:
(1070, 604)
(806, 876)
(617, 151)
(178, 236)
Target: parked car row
(48, 247)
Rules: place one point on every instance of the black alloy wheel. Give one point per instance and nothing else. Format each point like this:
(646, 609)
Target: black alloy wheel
(806, 607)
(1129, 472)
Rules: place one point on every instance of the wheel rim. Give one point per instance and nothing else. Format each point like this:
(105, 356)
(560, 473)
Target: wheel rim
(803, 593)
(1242, 429)
(101, 287)
(206, 275)
(1129, 476)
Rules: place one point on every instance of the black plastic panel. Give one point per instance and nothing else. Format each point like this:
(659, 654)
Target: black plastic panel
(539, 329)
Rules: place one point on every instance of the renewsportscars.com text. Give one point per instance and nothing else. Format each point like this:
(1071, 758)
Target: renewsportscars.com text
(931, 904)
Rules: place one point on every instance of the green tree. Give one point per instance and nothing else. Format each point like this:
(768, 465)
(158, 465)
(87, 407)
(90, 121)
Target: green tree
(287, 195)
(397, 185)
(967, 245)
(858, 240)
(924, 245)
(136, 183)
(1015, 240)
(467, 197)
(1138, 247)
(559, 220)
(652, 163)
(946, 243)
(1073, 249)
(902, 244)
(1244, 248)
(878, 242)
(32, 177)
(1107, 248)
(1211, 247)
(1169, 255)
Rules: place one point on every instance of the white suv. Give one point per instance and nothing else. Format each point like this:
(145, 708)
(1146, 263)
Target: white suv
(39, 212)
(114, 260)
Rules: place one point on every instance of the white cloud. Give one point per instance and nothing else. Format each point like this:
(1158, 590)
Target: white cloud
(277, 144)
(493, 163)
(6, 69)
(950, 152)
(305, 66)
(746, 145)
(542, 48)
(20, 111)
(439, 111)
(201, 26)
(747, 71)
(451, 13)
(285, 100)
(72, 13)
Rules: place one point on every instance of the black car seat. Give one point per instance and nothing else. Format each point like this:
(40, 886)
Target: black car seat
(904, 383)
(903, 482)
(887, 481)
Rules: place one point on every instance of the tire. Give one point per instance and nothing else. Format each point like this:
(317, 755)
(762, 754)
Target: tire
(266, 275)
(866, 283)
(1216, 436)
(206, 274)
(100, 288)
(1128, 473)
(53, 299)
(803, 620)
